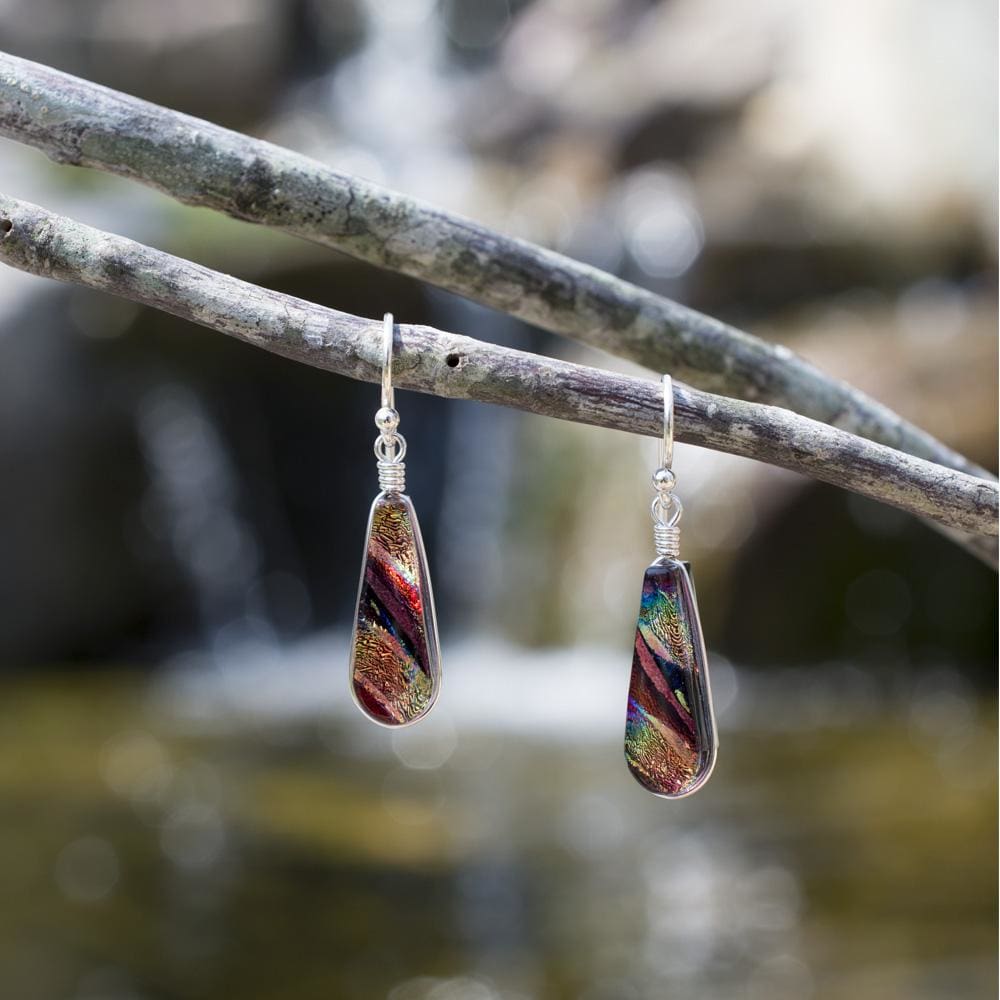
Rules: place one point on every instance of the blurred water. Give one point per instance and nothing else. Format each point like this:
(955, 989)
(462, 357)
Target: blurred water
(238, 830)
(192, 500)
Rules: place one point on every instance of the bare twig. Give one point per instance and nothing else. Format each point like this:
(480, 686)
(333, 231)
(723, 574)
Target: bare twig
(78, 122)
(445, 364)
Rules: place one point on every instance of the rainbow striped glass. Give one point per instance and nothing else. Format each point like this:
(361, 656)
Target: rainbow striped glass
(395, 665)
(670, 741)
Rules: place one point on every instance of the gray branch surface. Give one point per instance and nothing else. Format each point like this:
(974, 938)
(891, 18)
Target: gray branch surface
(445, 364)
(81, 123)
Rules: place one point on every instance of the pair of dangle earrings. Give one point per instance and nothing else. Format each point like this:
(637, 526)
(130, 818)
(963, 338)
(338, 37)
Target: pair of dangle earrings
(670, 741)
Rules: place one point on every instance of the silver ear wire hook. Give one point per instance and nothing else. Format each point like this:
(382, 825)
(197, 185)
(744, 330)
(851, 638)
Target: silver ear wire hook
(667, 446)
(390, 445)
(388, 396)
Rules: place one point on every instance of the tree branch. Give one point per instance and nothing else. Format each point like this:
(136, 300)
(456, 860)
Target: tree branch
(35, 240)
(81, 123)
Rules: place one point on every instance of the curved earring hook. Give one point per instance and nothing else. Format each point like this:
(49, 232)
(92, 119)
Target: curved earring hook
(667, 446)
(388, 396)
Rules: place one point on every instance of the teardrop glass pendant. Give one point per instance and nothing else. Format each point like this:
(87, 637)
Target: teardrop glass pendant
(670, 741)
(395, 664)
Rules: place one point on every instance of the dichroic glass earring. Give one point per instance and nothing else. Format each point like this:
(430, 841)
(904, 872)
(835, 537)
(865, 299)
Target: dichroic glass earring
(395, 663)
(670, 740)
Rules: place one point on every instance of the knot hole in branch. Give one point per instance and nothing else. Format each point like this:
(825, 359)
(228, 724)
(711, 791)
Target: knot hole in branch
(5, 227)
(454, 360)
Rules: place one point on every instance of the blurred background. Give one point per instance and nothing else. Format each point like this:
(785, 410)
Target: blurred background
(191, 807)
